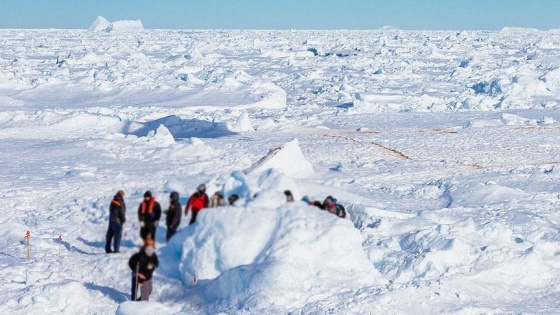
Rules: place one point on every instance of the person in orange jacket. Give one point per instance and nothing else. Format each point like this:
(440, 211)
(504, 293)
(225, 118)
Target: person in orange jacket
(198, 201)
(149, 213)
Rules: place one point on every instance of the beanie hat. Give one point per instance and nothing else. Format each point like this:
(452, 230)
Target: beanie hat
(148, 194)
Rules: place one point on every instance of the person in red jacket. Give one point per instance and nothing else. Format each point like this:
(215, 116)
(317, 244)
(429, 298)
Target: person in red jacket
(198, 201)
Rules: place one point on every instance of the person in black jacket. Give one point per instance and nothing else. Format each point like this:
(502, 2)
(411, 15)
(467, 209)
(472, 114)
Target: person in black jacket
(149, 213)
(143, 265)
(117, 218)
(173, 215)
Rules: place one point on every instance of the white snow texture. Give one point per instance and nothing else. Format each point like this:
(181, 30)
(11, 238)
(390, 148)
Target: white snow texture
(442, 146)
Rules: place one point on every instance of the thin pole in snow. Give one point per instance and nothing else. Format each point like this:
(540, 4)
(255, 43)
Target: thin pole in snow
(28, 240)
(136, 277)
(59, 260)
(195, 280)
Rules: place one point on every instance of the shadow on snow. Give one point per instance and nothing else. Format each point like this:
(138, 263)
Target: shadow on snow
(180, 128)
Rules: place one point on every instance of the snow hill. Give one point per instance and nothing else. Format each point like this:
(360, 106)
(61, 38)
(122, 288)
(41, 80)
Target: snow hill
(442, 146)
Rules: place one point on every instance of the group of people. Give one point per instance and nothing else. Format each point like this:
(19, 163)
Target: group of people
(330, 204)
(146, 261)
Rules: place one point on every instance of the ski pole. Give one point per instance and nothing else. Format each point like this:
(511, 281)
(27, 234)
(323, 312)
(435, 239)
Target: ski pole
(136, 285)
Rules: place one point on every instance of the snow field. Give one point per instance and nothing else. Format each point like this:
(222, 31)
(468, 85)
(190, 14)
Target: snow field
(442, 146)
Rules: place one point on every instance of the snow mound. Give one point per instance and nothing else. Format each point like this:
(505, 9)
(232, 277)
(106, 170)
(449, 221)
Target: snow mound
(242, 124)
(282, 262)
(484, 194)
(506, 119)
(287, 159)
(66, 297)
(146, 308)
(271, 96)
(102, 25)
(161, 137)
(552, 81)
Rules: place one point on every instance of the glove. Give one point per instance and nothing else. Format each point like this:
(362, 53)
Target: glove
(142, 224)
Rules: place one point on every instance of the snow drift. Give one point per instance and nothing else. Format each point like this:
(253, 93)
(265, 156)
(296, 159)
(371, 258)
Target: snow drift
(262, 255)
(287, 158)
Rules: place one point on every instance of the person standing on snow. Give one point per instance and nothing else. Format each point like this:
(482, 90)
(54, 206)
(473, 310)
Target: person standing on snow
(197, 202)
(149, 213)
(173, 215)
(117, 218)
(143, 265)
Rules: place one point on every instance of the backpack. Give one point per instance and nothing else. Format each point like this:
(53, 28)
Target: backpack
(340, 211)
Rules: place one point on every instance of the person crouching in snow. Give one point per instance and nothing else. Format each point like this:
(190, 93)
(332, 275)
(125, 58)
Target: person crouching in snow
(197, 202)
(143, 265)
(173, 215)
(149, 213)
(117, 218)
(330, 204)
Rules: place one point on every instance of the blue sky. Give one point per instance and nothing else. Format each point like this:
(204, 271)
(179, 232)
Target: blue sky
(285, 14)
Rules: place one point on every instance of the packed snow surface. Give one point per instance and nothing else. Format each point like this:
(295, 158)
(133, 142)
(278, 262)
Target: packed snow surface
(442, 146)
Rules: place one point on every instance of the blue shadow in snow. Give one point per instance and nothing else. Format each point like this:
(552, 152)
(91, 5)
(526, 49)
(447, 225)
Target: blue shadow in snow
(72, 248)
(111, 293)
(101, 244)
(180, 128)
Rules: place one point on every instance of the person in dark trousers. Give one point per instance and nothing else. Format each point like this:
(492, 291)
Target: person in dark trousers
(117, 217)
(173, 215)
(198, 201)
(149, 213)
(143, 265)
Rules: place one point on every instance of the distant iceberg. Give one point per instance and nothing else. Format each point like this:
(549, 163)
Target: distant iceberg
(102, 25)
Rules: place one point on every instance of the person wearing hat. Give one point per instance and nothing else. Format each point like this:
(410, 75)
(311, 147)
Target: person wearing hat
(149, 213)
(331, 205)
(198, 201)
(143, 265)
(173, 215)
(117, 217)
(289, 196)
(232, 199)
(217, 200)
